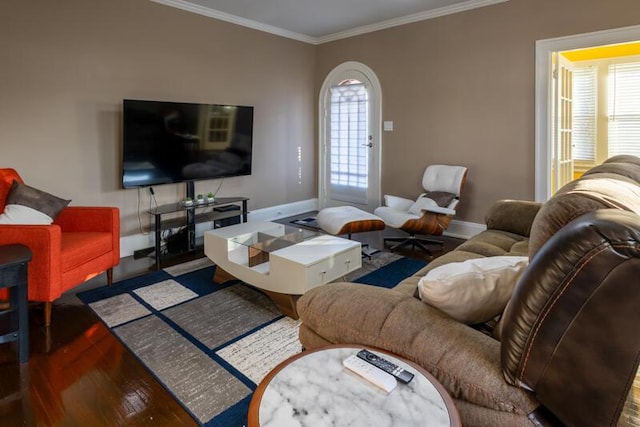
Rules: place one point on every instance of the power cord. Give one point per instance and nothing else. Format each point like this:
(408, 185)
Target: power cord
(139, 219)
(153, 196)
(215, 193)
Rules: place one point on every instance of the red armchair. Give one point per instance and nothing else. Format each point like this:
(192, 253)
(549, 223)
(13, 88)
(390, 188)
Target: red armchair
(81, 243)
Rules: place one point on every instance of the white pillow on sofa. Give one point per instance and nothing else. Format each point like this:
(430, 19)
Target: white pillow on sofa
(475, 290)
(18, 214)
(28, 205)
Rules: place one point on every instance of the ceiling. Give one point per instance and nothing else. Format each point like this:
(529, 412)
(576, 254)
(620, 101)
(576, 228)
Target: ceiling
(320, 21)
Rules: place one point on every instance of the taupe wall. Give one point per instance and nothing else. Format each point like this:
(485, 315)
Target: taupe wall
(460, 90)
(67, 65)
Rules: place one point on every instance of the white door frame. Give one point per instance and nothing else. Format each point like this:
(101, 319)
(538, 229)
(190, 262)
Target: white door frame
(375, 191)
(543, 97)
(562, 142)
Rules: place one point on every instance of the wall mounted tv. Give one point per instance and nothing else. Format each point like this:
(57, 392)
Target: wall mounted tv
(171, 142)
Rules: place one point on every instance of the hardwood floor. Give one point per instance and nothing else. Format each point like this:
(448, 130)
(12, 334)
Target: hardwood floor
(79, 374)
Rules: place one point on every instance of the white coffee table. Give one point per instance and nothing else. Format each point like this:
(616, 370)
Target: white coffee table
(313, 388)
(282, 260)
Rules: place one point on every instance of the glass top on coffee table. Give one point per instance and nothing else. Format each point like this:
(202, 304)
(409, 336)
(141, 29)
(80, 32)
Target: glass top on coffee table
(271, 239)
(275, 237)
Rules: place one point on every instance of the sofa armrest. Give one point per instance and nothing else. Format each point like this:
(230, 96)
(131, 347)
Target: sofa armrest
(464, 360)
(89, 218)
(513, 216)
(45, 242)
(569, 320)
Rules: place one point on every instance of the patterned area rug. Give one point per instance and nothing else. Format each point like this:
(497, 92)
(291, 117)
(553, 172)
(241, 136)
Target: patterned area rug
(210, 344)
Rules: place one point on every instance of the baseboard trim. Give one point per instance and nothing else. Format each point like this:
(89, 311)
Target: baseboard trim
(464, 229)
(130, 244)
(282, 211)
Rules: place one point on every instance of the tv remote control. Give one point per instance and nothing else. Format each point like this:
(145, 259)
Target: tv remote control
(370, 373)
(400, 374)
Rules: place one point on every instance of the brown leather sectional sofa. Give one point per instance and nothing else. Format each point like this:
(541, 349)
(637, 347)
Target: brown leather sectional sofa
(569, 346)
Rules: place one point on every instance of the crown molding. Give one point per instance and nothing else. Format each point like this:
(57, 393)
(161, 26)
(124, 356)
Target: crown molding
(249, 23)
(408, 19)
(416, 17)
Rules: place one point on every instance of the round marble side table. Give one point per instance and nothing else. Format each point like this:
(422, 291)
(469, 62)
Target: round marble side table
(314, 389)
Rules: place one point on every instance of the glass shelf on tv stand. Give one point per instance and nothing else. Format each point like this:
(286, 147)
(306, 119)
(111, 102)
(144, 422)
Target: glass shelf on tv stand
(265, 241)
(179, 207)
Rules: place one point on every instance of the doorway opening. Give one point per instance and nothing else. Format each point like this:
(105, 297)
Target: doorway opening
(572, 133)
(349, 138)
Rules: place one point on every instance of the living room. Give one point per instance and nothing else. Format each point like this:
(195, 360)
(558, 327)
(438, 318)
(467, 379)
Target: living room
(72, 73)
(460, 89)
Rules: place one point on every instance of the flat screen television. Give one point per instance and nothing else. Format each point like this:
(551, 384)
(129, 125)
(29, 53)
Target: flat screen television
(173, 142)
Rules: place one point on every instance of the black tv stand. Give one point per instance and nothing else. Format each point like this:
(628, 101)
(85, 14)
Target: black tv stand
(191, 189)
(187, 217)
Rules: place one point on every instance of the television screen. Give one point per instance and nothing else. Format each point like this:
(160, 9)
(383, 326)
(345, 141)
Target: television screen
(170, 142)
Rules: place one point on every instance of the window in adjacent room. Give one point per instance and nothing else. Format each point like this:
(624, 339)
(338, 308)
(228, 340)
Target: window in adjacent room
(624, 108)
(606, 108)
(584, 114)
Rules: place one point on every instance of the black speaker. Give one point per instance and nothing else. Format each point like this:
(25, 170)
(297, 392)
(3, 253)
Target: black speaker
(227, 221)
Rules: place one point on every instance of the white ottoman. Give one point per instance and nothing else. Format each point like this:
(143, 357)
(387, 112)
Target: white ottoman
(348, 220)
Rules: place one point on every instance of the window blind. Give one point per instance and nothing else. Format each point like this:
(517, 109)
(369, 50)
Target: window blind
(624, 108)
(584, 113)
